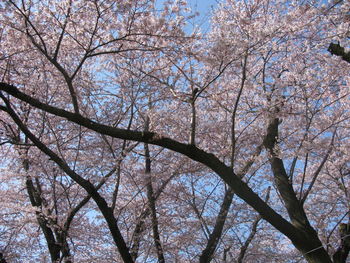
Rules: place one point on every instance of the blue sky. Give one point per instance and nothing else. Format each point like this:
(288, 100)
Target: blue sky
(204, 7)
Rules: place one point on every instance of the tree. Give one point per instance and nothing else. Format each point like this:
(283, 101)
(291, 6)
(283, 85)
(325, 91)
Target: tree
(181, 139)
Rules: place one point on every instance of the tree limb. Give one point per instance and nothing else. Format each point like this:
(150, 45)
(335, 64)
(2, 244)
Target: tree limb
(191, 151)
(338, 50)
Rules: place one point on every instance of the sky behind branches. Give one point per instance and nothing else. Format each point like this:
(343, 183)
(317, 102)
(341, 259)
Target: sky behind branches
(204, 8)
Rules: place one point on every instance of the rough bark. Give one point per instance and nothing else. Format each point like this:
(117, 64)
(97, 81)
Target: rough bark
(35, 199)
(139, 228)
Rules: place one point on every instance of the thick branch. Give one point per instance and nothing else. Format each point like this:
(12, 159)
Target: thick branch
(91, 190)
(293, 205)
(285, 188)
(35, 199)
(152, 206)
(192, 139)
(191, 151)
(338, 50)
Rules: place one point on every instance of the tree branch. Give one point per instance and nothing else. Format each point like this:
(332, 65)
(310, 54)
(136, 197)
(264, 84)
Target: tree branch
(152, 201)
(338, 50)
(252, 233)
(293, 205)
(89, 187)
(191, 151)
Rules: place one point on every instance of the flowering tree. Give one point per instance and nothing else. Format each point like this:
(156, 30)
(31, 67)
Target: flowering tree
(128, 138)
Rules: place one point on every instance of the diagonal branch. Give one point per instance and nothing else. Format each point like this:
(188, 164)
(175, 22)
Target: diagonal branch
(318, 171)
(140, 225)
(285, 188)
(89, 187)
(252, 233)
(210, 160)
(215, 235)
(294, 207)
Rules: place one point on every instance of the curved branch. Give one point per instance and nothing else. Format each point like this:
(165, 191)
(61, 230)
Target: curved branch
(89, 187)
(210, 160)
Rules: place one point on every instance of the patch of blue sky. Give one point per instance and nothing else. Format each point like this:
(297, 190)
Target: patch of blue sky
(204, 8)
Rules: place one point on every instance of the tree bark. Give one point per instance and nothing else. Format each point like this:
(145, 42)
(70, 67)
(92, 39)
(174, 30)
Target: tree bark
(36, 201)
(152, 206)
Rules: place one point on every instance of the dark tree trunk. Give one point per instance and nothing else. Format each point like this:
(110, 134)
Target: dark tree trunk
(36, 201)
(106, 211)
